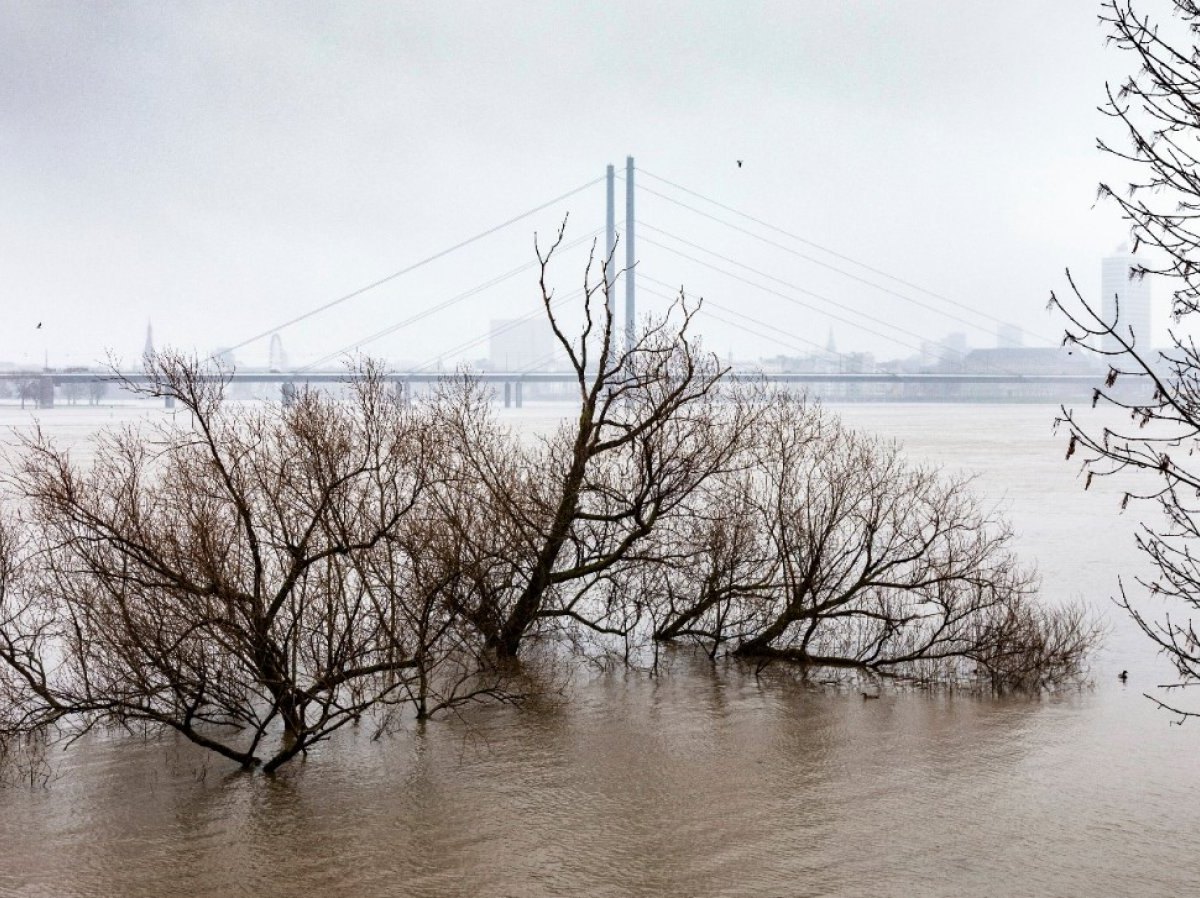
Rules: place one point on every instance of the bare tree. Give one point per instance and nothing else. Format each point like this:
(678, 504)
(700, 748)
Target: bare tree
(563, 513)
(250, 575)
(28, 388)
(263, 575)
(1156, 394)
(831, 550)
(73, 392)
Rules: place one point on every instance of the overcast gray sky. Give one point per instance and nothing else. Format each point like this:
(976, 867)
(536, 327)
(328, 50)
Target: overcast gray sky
(219, 168)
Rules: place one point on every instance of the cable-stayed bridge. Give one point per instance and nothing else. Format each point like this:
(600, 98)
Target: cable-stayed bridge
(768, 274)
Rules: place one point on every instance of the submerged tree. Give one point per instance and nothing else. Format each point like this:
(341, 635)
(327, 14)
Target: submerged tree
(546, 525)
(254, 577)
(246, 580)
(1153, 451)
(830, 549)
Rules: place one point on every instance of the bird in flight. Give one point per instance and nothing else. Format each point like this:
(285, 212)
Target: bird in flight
(739, 162)
(39, 327)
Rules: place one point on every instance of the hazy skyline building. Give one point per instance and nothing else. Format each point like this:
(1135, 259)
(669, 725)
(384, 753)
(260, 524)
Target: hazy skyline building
(148, 348)
(1125, 301)
(518, 344)
(951, 350)
(928, 355)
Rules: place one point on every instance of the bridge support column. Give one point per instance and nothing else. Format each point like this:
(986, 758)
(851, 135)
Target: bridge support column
(610, 244)
(507, 394)
(518, 391)
(630, 260)
(45, 391)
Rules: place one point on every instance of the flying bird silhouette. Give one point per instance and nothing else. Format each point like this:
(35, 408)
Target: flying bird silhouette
(39, 327)
(739, 162)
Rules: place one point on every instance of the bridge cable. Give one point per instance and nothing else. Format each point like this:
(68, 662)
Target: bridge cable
(824, 249)
(854, 277)
(764, 274)
(414, 266)
(441, 306)
(943, 354)
(947, 355)
(709, 305)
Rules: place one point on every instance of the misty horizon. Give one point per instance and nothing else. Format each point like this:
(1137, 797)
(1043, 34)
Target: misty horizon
(217, 171)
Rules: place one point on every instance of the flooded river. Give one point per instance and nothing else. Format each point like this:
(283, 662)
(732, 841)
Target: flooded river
(705, 782)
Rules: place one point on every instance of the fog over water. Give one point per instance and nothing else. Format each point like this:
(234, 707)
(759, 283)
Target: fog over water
(706, 781)
(218, 168)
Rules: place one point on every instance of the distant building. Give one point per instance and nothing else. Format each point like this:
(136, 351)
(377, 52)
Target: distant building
(951, 350)
(519, 344)
(149, 347)
(1029, 360)
(858, 362)
(1009, 336)
(1125, 301)
(817, 362)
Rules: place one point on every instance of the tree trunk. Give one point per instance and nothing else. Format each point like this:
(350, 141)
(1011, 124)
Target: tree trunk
(672, 630)
(761, 643)
(276, 680)
(508, 642)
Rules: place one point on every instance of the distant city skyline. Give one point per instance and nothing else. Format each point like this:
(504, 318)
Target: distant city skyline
(222, 169)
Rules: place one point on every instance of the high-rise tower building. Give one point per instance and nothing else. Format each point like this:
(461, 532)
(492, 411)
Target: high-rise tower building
(1125, 301)
(149, 347)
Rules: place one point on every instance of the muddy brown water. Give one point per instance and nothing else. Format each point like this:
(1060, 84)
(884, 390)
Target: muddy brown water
(709, 781)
